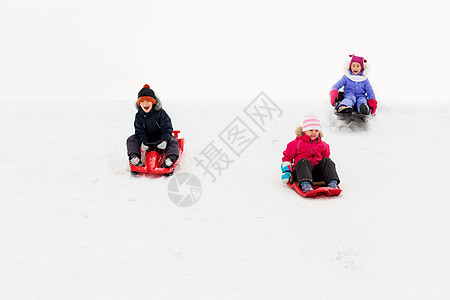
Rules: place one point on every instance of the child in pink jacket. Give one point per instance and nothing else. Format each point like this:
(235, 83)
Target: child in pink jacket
(310, 157)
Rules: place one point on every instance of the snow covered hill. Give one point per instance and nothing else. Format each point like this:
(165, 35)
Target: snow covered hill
(75, 225)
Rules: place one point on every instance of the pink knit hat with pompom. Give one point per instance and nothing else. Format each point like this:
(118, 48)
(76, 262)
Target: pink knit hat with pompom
(311, 122)
(358, 59)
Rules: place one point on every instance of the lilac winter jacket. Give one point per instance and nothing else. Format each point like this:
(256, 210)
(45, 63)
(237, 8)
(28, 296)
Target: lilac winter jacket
(303, 147)
(358, 85)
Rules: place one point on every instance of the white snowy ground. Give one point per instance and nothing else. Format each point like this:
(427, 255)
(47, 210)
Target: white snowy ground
(75, 225)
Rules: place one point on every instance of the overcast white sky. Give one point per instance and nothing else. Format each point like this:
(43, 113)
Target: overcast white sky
(220, 50)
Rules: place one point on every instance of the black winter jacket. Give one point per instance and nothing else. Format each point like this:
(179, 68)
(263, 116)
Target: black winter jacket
(154, 126)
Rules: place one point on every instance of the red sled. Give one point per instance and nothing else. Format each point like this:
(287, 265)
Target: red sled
(318, 190)
(153, 161)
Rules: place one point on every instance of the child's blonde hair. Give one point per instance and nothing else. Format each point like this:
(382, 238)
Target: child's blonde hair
(299, 132)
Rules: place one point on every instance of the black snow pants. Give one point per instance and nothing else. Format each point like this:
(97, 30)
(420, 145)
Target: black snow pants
(325, 170)
(172, 148)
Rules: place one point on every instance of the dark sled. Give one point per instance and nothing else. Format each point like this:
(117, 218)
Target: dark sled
(318, 190)
(153, 161)
(352, 116)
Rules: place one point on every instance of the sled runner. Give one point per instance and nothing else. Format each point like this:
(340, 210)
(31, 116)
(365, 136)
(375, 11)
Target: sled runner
(153, 161)
(318, 190)
(353, 116)
(350, 116)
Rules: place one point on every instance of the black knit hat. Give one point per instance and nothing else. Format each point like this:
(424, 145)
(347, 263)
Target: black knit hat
(146, 94)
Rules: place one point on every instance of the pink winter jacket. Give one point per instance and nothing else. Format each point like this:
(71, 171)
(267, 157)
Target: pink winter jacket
(303, 147)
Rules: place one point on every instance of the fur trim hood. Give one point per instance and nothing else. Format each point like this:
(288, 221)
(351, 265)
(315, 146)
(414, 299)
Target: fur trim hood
(299, 132)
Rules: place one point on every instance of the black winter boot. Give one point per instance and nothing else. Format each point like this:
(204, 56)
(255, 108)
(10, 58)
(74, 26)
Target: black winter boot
(168, 163)
(345, 110)
(364, 109)
(134, 159)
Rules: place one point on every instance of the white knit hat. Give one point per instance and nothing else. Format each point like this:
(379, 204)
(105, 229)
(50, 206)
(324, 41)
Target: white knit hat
(311, 122)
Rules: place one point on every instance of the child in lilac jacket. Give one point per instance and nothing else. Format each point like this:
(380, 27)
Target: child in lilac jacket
(357, 89)
(310, 157)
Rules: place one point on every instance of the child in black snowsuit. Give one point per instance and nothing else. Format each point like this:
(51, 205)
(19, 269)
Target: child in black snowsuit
(153, 130)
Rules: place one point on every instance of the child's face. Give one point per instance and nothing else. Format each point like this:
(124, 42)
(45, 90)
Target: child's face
(312, 133)
(355, 68)
(146, 106)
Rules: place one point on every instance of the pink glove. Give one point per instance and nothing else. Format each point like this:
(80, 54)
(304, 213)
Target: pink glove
(373, 105)
(334, 94)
